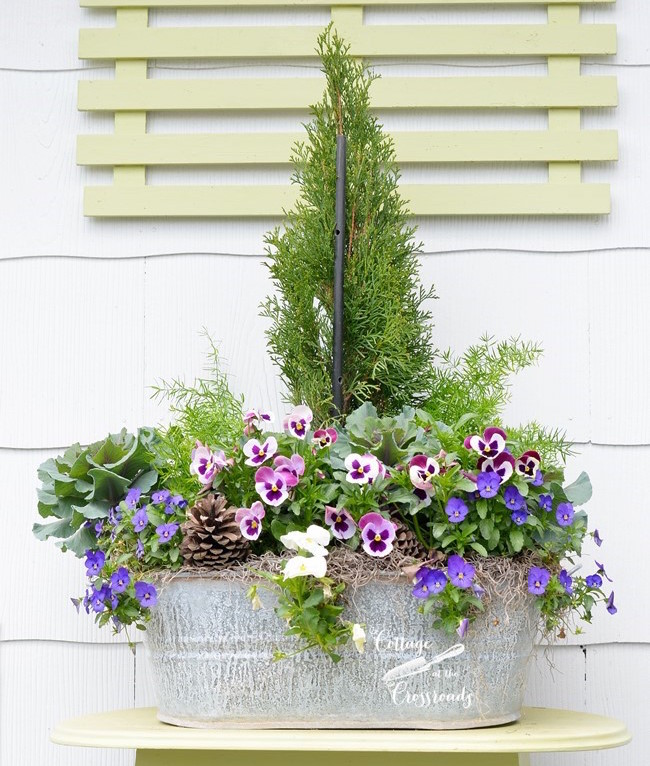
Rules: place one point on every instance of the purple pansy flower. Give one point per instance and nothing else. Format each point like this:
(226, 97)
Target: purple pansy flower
(298, 421)
(593, 581)
(597, 538)
(146, 594)
(527, 465)
(564, 514)
(132, 497)
(362, 469)
(462, 627)
(120, 580)
(422, 470)
(456, 510)
(272, 486)
(292, 467)
(255, 419)
(377, 534)
(139, 549)
(491, 444)
(325, 437)
(165, 532)
(250, 520)
(95, 561)
(503, 464)
(429, 581)
(460, 572)
(514, 499)
(161, 496)
(538, 579)
(206, 464)
(488, 483)
(538, 480)
(258, 453)
(601, 571)
(520, 517)
(566, 581)
(341, 524)
(424, 496)
(546, 503)
(140, 520)
(610, 604)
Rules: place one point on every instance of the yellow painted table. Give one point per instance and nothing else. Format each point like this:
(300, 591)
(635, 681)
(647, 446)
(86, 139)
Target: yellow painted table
(540, 730)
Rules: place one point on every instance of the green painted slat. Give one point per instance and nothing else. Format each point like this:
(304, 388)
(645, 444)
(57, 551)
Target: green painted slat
(271, 201)
(386, 41)
(387, 93)
(221, 3)
(411, 147)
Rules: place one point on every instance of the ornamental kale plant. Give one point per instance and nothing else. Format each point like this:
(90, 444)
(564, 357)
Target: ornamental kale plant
(387, 349)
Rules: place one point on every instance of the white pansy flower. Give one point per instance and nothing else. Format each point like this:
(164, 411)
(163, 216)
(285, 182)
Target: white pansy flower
(359, 637)
(301, 566)
(312, 541)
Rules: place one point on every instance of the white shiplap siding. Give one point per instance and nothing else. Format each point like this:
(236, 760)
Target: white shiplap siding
(92, 312)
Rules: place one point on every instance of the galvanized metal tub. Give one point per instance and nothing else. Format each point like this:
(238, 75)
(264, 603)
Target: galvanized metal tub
(211, 657)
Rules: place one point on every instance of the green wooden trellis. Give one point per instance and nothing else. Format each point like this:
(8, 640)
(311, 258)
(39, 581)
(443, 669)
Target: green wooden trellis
(563, 146)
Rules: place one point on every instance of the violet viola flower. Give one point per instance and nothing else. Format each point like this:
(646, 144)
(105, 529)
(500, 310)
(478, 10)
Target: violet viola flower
(146, 594)
(140, 520)
(429, 582)
(258, 453)
(325, 437)
(593, 581)
(292, 467)
(95, 561)
(422, 469)
(161, 496)
(165, 532)
(488, 483)
(341, 524)
(566, 581)
(503, 464)
(514, 499)
(272, 486)
(120, 580)
(546, 503)
(206, 464)
(114, 516)
(362, 469)
(178, 501)
(520, 517)
(456, 510)
(139, 549)
(250, 520)
(601, 571)
(597, 538)
(564, 514)
(610, 604)
(527, 465)
(96, 601)
(491, 444)
(460, 572)
(298, 421)
(99, 528)
(377, 534)
(538, 480)
(132, 498)
(538, 579)
(462, 627)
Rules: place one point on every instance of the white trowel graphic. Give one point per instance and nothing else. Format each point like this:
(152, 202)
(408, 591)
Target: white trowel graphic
(421, 665)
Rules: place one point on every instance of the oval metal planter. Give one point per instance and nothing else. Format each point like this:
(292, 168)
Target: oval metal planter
(212, 666)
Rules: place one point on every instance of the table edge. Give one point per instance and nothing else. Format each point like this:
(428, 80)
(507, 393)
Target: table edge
(290, 740)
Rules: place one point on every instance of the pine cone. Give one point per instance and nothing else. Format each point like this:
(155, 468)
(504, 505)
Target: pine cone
(406, 542)
(211, 536)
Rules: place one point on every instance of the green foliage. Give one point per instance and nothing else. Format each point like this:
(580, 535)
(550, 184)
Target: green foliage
(387, 350)
(206, 411)
(477, 382)
(85, 482)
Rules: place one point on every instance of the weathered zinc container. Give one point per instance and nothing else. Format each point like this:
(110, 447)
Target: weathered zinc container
(211, 658)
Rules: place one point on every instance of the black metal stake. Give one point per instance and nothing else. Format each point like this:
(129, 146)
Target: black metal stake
(339, 253)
